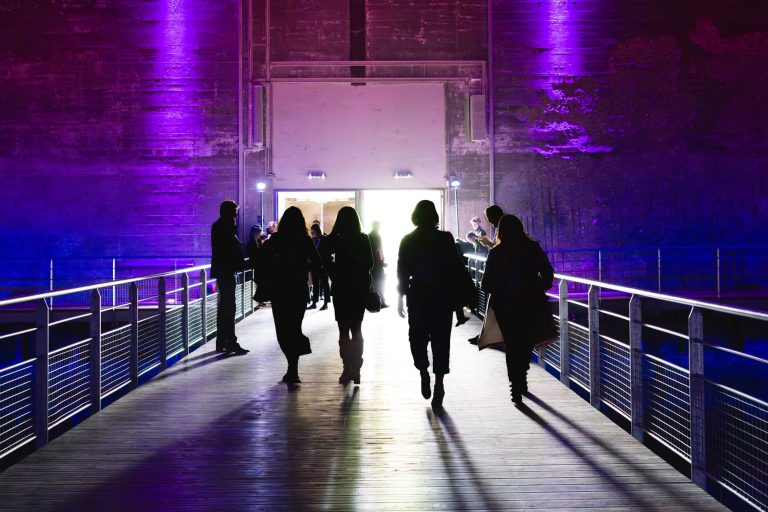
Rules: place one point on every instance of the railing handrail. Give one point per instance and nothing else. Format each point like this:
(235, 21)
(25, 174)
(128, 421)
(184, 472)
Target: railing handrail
(106, 284)
(747, 313)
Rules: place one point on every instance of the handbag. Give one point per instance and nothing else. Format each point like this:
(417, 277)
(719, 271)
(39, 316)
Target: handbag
(543, 331)
(490, 334)
(373, 301)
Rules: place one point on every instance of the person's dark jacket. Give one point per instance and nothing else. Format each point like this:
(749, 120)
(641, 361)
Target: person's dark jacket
(517, 276)
(226, 249)
(287, 260)
(428, 264)
(350, 261)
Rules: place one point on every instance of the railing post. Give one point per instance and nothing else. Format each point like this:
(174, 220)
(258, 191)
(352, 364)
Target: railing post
(95, 350)
(594, 347)
(133, 355)
(161, 312)
(241, 275)
(565, 368)
(42, 320)
(204, 305)
(185, 312)
(250, 300)
(636, 366)
(698, 398)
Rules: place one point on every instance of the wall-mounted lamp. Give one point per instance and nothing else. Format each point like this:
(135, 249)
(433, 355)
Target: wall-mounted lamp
(315, 175)
(403, 175)
(454, 182)
(261, 186)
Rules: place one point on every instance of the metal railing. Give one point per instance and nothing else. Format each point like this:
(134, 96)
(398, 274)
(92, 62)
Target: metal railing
(115, 347)
(615, 355)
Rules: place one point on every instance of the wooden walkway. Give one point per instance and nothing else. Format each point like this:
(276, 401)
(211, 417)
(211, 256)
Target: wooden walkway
(221, 433)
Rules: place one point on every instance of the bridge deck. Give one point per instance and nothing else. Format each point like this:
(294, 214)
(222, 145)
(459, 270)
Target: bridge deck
(221, 433)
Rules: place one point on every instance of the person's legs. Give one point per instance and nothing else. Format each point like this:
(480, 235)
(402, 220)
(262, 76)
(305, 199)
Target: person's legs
(326, 288)
(356, 349)
(315, 290)
(225, 313)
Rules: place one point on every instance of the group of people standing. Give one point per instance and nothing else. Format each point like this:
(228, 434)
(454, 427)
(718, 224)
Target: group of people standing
(428, 268)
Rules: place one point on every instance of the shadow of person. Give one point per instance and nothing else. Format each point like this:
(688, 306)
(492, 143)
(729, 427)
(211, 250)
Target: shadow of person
(458, 464)
(343, 471)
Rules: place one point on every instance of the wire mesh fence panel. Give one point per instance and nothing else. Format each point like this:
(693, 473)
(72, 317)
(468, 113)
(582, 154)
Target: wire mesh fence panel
(115, 359)
(16, 406)
(578, 353)
(239, 302)
(615, 384)
(737, 443)
(195, 322)
(667, 404)
(174, 335)
(552, 351)
(211, 307)
(69, 382)
(248, 295)
(149, 343)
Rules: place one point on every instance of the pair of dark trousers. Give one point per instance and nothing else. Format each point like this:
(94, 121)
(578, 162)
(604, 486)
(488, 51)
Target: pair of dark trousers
(514, 327)
(288, 312)
(225, 313)
(430, 322)
(320, 283)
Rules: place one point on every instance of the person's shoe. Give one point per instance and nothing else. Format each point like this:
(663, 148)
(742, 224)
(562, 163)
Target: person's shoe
(289, 379)
(312, 306)
(324, 307)
(345, 377)
(462, 321)
(356, 378)
(426, 392)
(517, 397)
(437, 399)
(473, 340)
(384, 305)
(236, 349)
(221, 350)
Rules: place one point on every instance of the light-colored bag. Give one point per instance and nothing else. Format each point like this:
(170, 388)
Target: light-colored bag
(490, 334)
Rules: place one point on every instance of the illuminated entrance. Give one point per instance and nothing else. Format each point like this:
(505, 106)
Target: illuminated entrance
(392, 208)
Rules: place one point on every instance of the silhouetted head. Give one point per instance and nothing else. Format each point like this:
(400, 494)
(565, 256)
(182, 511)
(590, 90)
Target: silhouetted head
(425, 215)
(347, 222)
(494, 213)
(512, 231)
(228, 209)
(255, 232)
(314, 231)
(292, 223)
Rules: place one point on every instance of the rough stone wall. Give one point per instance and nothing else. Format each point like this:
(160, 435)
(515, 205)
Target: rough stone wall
(118, 133)
(633, 123)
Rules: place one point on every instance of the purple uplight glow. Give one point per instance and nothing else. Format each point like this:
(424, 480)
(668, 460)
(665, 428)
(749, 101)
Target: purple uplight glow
(559, 38)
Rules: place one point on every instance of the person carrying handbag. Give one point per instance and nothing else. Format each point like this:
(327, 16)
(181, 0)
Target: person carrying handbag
(517, 275)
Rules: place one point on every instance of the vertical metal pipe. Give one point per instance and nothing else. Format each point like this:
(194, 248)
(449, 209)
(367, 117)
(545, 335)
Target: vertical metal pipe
(456, 209)
(161, 317)
(185, 312)
(717, 256)
(95, 350)
(50, 280)
(240, 116)
(491, 121)
(594, 347)
(565, 368)
(658, 267)
(636, 366)
(204, 305)
(133, 357)
(698, 398)
(599, 265)
(42, 321)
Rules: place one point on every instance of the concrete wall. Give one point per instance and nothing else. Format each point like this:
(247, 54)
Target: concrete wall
(118, 132)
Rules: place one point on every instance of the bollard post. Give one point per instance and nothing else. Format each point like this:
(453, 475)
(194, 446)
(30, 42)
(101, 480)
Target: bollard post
(636, 367)
(594, 347)
(42, 321)
(95, 350)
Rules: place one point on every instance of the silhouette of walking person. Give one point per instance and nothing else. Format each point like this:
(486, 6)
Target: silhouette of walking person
(427, 263)
(290, 254)
(349, 251)
(226, 261)
(517, 274)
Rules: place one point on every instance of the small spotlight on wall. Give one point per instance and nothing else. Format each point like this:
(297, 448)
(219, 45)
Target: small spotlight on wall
(454, 183)
(315, 175)
(260, 186)
(403, 175)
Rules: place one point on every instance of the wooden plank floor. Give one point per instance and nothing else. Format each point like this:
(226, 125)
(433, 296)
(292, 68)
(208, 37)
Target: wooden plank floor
(221, 433)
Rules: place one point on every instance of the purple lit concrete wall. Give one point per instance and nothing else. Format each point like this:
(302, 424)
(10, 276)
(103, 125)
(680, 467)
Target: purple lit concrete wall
(118, 131)
(633, 122)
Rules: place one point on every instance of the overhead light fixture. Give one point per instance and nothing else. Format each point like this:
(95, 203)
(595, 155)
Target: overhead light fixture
(315, 175)
(403, 175)
(454, 182)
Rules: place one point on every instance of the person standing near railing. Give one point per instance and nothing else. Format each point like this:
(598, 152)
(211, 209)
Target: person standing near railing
(226, 261)
(427, 266)
(319, 281)
(290, 254)
(493, 213)
(517, 275)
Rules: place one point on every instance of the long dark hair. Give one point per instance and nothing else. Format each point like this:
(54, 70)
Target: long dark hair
(512, 231)
(347, 222)
(425, 215)
(292, 223)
